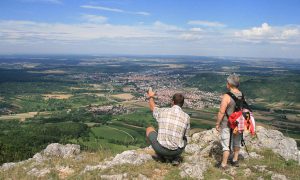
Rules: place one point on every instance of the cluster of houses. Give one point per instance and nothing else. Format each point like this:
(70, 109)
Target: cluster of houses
(111, 110)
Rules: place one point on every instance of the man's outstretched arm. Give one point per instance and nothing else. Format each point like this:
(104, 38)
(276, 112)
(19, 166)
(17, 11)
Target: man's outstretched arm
(151, 95)
(151, 103)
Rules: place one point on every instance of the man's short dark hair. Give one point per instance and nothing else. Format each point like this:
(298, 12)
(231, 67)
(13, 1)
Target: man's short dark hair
(178, 99)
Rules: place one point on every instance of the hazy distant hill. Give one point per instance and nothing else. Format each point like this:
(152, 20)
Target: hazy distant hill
(270, 88)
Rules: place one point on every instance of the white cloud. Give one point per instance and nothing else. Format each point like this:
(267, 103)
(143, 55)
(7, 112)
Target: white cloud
(95, 35)
(142, 13)
(196, 29)
(193, 34)
(163, 26)
(190, 36)
(264, 30)
(94, 18)
(269, 34)
(290, 33)
(116, 10)
(29, 31)
(206, 23)
(102, 8)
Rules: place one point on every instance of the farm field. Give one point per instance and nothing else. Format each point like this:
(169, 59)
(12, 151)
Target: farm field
(20, 117)
(56, 96)
(125, 96)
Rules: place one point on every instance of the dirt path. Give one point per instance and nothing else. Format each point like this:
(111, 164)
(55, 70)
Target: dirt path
(130, 125)
(123, 132)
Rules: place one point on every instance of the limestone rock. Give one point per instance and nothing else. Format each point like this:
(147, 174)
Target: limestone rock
(278, 177)
(141, 177)
(213, 150)
(192, 148)
(7, 166)
(299, 157)
(194, 167)
(38, 173)
(205, 137)
(64, 171)
(38, 157)
(232, 171)
(114, 177)
(260, 168)
(275, 140)
(59, 150)
(247, 172)
(266, 138)
(133, 157)
(253, 155)
(92, 168)
(55, 149)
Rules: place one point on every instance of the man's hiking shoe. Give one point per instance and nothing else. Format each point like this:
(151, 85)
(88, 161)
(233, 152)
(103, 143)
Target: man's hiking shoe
(176, 161)
(159, 158)
(235, 163)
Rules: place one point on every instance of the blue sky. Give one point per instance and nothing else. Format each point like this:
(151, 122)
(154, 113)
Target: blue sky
(255, 28)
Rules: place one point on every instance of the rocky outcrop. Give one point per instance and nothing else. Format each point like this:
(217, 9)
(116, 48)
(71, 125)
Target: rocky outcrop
(207, 144)
(7, 166)
(203, 150)
(194, 166)
(38, 172)
(59, 150)
(52, 150)
(275, 176)
(275, 140)
(278, 177)
(114, 177)
(133, 157)
(265, 138)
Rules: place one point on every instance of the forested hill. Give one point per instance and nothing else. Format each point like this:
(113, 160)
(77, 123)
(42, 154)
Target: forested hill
(270, 88)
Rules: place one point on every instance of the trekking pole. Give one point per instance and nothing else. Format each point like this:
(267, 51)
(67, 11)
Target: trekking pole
(244, 144)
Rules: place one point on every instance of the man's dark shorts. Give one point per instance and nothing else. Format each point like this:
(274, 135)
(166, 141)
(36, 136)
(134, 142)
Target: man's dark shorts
(162, 151)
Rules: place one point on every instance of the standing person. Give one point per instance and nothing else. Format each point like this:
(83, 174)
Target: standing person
(173, 127)
(226, 108)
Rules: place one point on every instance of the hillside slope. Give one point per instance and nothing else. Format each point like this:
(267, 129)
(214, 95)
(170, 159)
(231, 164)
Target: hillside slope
(272, 156)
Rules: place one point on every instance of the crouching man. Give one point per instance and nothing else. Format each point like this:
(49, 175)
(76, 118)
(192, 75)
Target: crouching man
(173, 127)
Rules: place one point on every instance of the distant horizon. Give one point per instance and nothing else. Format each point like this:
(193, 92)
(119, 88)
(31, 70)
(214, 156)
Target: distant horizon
(146, 55)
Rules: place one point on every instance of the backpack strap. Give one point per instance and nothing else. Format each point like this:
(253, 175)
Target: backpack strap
(233, 96)
(245, 104)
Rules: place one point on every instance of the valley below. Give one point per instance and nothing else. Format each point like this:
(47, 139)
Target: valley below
(99, 102)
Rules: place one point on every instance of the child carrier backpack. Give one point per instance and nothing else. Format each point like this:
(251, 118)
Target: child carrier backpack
(241, 119)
